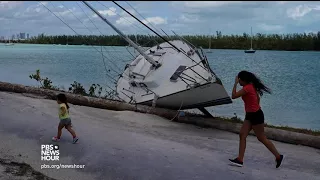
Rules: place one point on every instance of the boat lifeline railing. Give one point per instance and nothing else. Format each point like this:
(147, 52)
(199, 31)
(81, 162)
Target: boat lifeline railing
(207, 64)
(179, 73)
(190, 67)
(203, 57)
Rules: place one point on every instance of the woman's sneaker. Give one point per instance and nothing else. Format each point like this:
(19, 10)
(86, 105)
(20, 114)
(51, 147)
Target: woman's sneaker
(75, 140)
(236, 162)
(55, 139)
(279, 161)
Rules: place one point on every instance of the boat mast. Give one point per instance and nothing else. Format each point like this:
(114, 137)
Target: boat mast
(9, 35)
(149, 59)
(251, 37)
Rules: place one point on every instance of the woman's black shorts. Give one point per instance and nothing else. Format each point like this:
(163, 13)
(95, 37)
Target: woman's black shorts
(255, 118)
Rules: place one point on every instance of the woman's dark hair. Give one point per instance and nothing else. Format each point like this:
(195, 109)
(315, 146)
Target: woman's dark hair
(249, 77)
(62, 98)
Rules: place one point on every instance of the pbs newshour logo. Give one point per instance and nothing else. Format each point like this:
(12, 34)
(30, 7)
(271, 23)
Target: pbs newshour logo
(50, 152)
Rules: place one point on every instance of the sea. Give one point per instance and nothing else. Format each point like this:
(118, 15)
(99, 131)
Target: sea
(293, 76)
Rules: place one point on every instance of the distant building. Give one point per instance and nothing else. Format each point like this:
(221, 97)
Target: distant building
(13, 37)
(27, 36)
(2, 38)
(18, 36)
(22, 35)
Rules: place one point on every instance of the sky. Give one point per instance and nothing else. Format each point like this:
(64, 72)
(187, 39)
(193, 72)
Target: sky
(182, 17)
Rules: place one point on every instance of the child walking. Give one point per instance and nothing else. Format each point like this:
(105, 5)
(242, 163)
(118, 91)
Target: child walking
(65, 120)
(250, 94)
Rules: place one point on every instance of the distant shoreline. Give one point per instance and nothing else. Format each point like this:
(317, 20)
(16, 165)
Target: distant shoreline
(3, 43)
(280, 42)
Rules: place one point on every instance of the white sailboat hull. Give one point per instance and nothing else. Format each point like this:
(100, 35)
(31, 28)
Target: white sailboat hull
(211, 94)
(194, 87)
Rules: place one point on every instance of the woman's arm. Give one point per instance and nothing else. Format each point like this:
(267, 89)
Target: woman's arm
(236, 94)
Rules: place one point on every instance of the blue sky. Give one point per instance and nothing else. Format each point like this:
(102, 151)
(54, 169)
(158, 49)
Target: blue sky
(184, 17)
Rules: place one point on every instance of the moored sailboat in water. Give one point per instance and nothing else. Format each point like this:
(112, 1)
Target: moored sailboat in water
(9, 43)
(210, 50)
(250, 50)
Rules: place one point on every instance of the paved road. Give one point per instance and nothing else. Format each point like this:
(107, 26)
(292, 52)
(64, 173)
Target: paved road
(127, 145)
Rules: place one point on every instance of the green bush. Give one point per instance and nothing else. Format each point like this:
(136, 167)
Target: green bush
(45, 83)
(95, 90)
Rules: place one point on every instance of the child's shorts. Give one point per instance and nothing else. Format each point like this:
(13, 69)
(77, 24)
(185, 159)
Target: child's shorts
(65, 122)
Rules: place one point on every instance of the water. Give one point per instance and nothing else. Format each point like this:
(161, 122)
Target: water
(293, 76)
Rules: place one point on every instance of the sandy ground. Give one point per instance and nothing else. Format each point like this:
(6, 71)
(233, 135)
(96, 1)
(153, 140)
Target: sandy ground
(128, 145)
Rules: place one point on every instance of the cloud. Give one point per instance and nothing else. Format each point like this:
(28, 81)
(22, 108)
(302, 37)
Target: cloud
(198, 17)
(268, 27)
(125, 21)
(310, 31)
(10, 4)
(128, 21)
(209, 4)
(301, 10)
(155, 20)
(109, 12)
(188, 18)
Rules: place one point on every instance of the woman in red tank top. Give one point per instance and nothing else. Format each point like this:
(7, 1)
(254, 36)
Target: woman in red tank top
(252, 89)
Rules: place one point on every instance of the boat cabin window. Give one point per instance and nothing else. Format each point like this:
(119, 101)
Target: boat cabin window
(177, 73)
(156, 53)
(133, 84)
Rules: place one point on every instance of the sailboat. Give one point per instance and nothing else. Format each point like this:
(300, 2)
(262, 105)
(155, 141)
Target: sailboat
(250, 50)
(173, 74)
(9, 43)
(209, 51)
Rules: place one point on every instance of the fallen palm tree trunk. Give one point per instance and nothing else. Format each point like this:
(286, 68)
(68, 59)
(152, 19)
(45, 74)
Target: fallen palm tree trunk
(272, 133)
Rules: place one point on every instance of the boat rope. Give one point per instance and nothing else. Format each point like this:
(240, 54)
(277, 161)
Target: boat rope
(177, 112)
(70, 28)
(102, 34)
(98, 30)
(105, 67)
(147, 26)
(156, 33)
(130, 22)
(165, 33)
(91, 32)
(73, 30)
(143, 17)
(106, 72)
